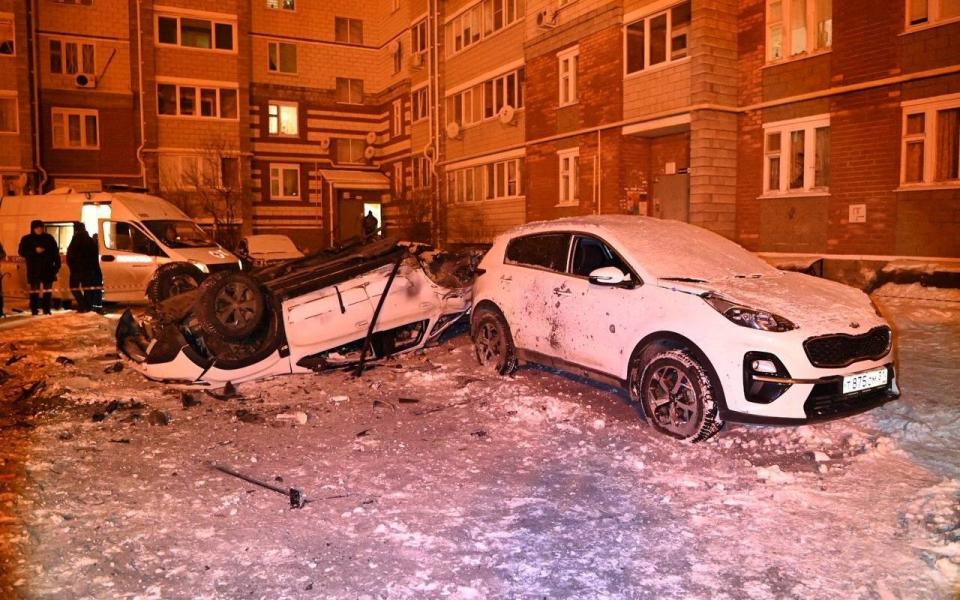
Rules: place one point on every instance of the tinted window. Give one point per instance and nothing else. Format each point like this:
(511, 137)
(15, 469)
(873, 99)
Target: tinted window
(548, 250)
(590, 254)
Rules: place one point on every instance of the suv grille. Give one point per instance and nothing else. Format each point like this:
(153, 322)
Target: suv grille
(840, 350)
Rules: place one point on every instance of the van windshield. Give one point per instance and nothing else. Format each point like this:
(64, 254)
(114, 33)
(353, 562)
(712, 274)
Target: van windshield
(179, 234)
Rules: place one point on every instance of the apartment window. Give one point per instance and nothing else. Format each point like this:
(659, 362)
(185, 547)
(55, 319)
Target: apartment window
(398, 179)
(798, 26)
(75, 129)
(481, 20)
(921, 12)
(282, 4)
(658, 39)
(189, 172)
(501, 91)
(421, 172)
(421, 103)
(71, 57)
(349, 91)
(418, 37)
(8, 114)
(398, 57)
(195, 33)
(7, 37)
(283, 119)
(349, 31)
(569, 61)
(349, 150)
(493, 181)
(569, 161)
(397, 110)
(196, 101)
(463, 108)
(931, 141)
(281, 57)
(76, 2)
(284, 181)
(797, 156)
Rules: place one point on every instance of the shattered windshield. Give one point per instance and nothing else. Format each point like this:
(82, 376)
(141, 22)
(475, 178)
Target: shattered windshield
(179, 234)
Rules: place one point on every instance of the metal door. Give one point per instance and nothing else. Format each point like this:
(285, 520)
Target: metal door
(671, 197)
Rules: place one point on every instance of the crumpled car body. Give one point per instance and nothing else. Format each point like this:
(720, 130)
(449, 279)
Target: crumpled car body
(317, 315)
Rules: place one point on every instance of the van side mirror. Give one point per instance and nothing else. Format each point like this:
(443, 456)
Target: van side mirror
(608, 276)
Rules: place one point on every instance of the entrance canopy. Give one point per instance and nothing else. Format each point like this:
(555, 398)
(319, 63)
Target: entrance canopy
(356, 180)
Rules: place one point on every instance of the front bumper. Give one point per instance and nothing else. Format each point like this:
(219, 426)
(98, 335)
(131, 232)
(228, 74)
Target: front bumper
(825, 401)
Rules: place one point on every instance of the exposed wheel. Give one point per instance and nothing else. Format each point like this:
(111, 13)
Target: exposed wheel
(676, 394)
(492, 341)
(173, 279)
(263, 342)
(231, 305)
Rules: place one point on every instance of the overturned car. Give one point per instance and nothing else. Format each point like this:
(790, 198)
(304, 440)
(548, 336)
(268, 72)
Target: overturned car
(329, 309)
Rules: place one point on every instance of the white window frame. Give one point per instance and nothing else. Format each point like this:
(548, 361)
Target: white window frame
(12, 97)
(503, 98)
(420, 103)
(8, 19)
(934, 16)
(809, 126)
(351, 159)
(281, 168)
(79, 43)
(398, 179)
(568, 59)
(65, 114)
(279, 104)
(477, 18)
(568, 165)
(646, 19)
(419, 40)
(279, 5)
(463, 101)
(213, 32)
(420, 171)
(397, 122)
(218, 88)
(929, 107)
(786, 23)
(275, 47)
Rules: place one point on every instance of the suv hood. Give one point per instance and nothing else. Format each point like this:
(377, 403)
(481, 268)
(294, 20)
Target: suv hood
(816, 305)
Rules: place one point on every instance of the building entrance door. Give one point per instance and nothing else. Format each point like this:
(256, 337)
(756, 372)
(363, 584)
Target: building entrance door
(352, 207)
(671, 197)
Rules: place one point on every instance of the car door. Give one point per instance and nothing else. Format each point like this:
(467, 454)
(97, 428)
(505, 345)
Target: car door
(128, 259)
(596, 323)
(533, 274)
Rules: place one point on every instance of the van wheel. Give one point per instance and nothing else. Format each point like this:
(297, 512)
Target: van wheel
(676, 394)
(173, 279)
(231, 305)
(492, 341)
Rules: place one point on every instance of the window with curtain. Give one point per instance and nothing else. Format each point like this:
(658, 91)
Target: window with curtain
(797, 156)
(930, 145)
(796, 27)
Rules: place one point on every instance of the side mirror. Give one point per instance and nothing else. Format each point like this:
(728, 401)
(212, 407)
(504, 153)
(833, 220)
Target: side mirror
(608, 276)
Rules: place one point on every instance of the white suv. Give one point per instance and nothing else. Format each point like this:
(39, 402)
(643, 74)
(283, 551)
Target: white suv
(696, 328)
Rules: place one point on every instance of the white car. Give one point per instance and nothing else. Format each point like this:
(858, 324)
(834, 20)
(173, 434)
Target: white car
(301, 315)
(264, 249)
(695, 327)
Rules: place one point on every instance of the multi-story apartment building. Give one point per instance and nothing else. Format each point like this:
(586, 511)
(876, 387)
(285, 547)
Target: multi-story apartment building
(787, 125)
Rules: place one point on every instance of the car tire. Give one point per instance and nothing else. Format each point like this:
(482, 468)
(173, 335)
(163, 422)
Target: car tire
(256, 347)
(231, 305)
(676, 393)
(173, 279)
(492, 341)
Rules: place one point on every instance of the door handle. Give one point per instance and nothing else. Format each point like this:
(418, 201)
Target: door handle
(108, 258)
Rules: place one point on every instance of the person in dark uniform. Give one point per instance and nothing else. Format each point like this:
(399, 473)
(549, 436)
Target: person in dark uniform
(42, 255)
(82, 259)
(370, 225)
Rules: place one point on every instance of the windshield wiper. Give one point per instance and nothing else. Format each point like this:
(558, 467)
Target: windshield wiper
(684, 279)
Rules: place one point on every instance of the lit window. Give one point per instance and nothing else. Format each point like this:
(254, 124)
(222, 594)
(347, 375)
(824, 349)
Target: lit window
(284, 181)
(282, 4)
(931, 141)
(569, 62)
(798, 26)
(569, 161)
(797, 156)
(922, 12)
(7, 36)
(75, 129)
(349, 31)
(282, 119)
(658, 39)
(281, 57)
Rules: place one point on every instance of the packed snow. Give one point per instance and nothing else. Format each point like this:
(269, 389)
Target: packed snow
(427, 478)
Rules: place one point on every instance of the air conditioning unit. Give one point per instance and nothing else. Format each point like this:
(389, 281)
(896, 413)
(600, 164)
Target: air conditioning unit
(85, 81)
(325, 142)
(369, 152)
(454, 130)
(418, 59)
(508, 115)
(547, 18)
(371, 138)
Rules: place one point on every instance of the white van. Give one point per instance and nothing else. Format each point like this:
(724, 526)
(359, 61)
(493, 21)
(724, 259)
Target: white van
(137, 234)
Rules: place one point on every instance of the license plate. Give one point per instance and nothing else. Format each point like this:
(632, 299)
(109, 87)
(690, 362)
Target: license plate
(864, 381)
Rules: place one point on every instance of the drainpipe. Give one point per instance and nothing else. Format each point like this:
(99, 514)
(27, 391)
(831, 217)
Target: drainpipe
(35, 73)
(143, 125)
(599, 175)
(435, 121)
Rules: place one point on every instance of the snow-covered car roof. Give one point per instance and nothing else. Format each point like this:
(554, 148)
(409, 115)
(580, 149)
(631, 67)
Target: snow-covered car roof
(664, 248)
(266, 243)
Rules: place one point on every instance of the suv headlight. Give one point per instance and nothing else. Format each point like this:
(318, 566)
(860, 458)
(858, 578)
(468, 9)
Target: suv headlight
(745, 316)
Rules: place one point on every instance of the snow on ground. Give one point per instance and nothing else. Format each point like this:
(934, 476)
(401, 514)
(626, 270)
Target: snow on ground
(430, 479)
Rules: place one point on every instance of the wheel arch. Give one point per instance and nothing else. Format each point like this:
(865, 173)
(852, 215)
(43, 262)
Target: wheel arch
(670, 340)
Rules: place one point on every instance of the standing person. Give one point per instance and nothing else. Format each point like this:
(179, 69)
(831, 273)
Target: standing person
(42, 255)
(95, 297)
(82, 255)
(370, 225)
(3, 255)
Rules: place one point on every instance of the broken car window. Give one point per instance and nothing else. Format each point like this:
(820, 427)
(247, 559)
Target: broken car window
(546, 250)
(590, 254)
